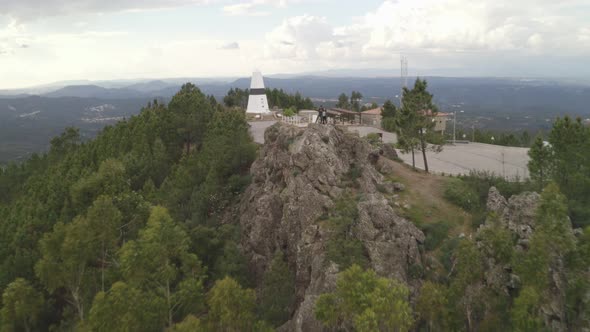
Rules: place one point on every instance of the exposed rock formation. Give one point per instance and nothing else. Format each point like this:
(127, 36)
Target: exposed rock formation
(518, 216)
(295, 181)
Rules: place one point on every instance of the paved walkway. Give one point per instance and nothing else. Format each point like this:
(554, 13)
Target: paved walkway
(510, 162)
(257, 129)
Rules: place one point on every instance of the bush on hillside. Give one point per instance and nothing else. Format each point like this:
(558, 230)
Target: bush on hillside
(461, 194)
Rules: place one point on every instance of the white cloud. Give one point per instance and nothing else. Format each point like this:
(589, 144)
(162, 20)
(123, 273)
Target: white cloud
(299, 37)
(25, 10)
(461, 27)
(230, 46)
(244, 9)
(258, 7)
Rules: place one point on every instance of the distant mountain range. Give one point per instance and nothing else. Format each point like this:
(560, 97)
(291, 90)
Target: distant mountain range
(30, 117)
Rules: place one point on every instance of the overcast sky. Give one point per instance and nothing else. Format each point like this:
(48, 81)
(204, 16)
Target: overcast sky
(43, 41)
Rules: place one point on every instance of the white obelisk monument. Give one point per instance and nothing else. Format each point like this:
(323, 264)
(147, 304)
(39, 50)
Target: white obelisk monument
(257, 102)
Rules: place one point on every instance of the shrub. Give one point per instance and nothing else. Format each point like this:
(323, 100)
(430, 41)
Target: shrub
(462, 195)
(446, 253)
(291, 111)
(354, 172)
(435, 234)
(343, 248)
(416, 271)
(374, 139)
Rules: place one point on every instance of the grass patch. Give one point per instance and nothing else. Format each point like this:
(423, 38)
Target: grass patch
(351, 177)
(343, 248)
(435, 234)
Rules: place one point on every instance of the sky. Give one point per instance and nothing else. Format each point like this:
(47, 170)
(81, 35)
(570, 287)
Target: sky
(43, 41)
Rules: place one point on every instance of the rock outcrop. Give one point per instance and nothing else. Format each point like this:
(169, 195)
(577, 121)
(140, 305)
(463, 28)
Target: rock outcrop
(518, 215)
(295, 181)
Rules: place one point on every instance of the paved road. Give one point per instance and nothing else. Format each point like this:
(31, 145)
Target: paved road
(257, 129)
(509, 162)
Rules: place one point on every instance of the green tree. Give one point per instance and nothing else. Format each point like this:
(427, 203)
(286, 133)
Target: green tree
(570, 143)
(465, 289)
(343, 101)
(109, 180)
(236, 98)
(540, 162)
(192, 112)
(231, 308)
(405, 125)
(497, 242)
(189, 324)
(362, 300)
(277, 293)
(432, 306)
(551, 243)
(68, 262)
(66, 142)
(415, 120)
(159, 261)
(21, 307)
(526, 315)
(389, 110)
(124, 308)
(104, 221)
(355, 101)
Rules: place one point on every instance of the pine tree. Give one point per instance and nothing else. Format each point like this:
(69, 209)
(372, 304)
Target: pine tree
(21, 307)
(159, 261)
(540, 162)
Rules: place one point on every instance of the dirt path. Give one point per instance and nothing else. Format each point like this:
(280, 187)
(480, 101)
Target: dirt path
(425, 193)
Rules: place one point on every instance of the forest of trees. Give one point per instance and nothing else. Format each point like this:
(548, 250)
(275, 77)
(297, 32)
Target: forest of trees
(276, 98)
(125, 233)
(122, 233)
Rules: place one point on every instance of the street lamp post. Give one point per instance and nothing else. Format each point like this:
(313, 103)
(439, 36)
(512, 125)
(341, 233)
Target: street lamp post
(455, 126)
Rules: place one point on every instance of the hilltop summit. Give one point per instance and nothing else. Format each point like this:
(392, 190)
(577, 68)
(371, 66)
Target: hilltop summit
(298, 179)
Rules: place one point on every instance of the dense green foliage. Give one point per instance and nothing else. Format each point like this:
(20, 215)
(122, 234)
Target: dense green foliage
(503, 138)
(126, 233)
(277, 293)
(413, 122)
(343, 248)
(365, 302)
(123, 233)
(276, 98)
(566, 161)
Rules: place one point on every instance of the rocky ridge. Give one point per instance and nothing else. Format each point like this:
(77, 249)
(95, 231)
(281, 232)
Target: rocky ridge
(295, 181)
(518, 215)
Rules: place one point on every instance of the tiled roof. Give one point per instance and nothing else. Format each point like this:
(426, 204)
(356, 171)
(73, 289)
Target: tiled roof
(374, 111)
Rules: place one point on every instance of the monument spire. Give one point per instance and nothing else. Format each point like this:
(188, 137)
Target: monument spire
(257, 101)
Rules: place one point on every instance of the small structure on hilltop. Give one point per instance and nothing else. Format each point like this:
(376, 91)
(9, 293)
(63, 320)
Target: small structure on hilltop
(343, 116)
(372, 117)
(257, 101)
(440, 120)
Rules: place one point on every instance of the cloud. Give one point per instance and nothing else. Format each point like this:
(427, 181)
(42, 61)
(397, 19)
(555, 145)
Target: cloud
(436, 27)
(257, 7)
(299, 37)
(26, 10)
(244, 9)
(230, 46)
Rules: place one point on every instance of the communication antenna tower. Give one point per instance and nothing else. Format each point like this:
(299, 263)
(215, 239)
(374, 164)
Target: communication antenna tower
(403, 77)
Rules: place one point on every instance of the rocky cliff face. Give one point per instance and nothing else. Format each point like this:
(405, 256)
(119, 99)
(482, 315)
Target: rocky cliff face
(518, 216)
(296, 180)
